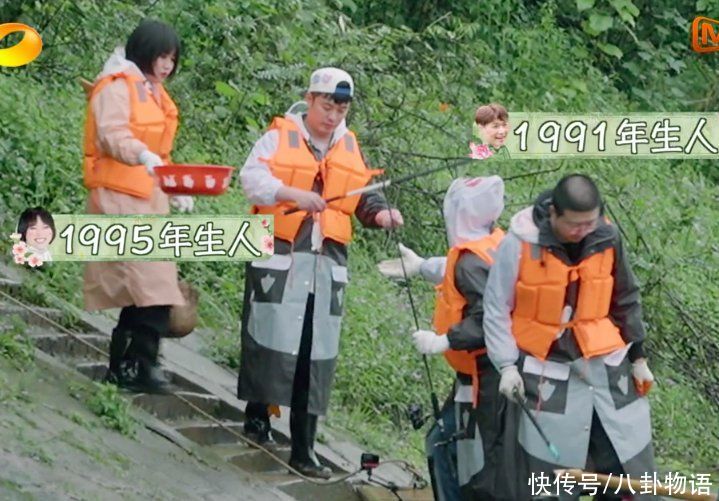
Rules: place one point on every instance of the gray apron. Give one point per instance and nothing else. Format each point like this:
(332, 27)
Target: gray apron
(273, 316)
(567, 395)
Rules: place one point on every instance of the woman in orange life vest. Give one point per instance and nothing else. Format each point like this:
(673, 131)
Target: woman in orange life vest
(130, 128)
(471, 208)
(563, 323)
(293, 302)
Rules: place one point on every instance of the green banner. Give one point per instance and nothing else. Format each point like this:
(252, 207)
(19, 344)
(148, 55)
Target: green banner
(153, 238)
(597, 135)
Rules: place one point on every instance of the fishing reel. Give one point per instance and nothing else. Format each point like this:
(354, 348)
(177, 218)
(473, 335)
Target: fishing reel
(416, 416)
(369, 461)
(458, 435)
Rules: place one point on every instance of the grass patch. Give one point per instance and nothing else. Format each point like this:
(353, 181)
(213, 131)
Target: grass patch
(112, 409)
(33, 448)
(15, 345)
(10, 486)
(8, 390)
(81, 420)
(106, 402)
(685, 426)
(386, 439)
(223, 347)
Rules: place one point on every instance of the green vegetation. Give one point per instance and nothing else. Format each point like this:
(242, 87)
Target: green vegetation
(113, 410)
(15, 345)
(106, 402)
(420, 70)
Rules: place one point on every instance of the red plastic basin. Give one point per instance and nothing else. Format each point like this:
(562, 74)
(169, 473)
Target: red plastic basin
(189, 179)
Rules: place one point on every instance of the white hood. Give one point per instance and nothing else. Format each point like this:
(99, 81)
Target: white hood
(117, 63)
(471, 207)
(522, 225)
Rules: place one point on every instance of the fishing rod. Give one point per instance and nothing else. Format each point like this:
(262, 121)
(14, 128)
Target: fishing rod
(384, 184)
(433, 395)
(552, 448)
(436, 412)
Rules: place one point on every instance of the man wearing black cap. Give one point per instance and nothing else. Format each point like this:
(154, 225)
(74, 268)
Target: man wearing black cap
(293, 301)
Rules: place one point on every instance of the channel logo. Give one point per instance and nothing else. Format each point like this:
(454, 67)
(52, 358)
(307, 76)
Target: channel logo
(705, 34)
(23, 52)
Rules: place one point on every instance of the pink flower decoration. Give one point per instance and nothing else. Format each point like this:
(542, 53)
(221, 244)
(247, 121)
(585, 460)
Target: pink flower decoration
(34, 261)
(265, 223)
(479, 151)
(268, 244)
(19, 249)
(19, 259)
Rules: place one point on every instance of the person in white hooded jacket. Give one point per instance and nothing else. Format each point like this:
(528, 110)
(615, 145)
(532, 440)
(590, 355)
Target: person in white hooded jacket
(472, 415)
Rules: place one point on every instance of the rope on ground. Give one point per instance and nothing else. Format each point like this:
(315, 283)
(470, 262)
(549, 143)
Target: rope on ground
(418, 479)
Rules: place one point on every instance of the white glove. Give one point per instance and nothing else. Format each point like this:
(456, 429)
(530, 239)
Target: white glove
(429, 342)
(643, 377)
(389, 218)
(510, 380)
(150, 160)
(183, 203)
(392, 268)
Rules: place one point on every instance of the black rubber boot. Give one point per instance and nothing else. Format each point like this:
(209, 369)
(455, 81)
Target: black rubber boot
(303, 427)
(257, 424)
(118, 345)
(151, 378)
(120, 372)
(143, 353)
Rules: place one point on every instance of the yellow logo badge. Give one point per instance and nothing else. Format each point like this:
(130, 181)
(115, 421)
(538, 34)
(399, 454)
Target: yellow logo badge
(22, 52)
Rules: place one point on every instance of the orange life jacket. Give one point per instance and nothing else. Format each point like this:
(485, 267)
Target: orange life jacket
(342, 170)
(540, 299)
(450, 304)
(151, 122)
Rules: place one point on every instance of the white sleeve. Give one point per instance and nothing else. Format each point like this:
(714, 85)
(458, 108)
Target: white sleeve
(499, 303)
(432, 269)
(258, 183)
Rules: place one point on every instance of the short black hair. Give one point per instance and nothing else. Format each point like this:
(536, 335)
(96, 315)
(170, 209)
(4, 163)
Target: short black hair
(576, 192)
(150, 40)
(338, 98)
(29, 216)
